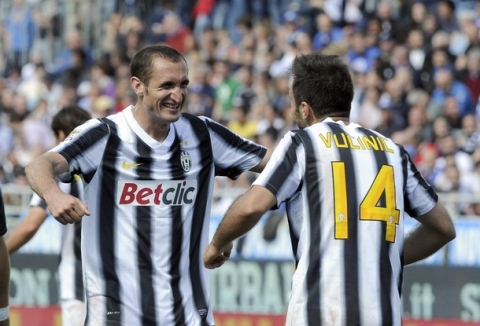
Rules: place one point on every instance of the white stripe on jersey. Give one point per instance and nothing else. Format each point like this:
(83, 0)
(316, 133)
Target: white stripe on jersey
(70, 267)
(352, 184)
(150, 203)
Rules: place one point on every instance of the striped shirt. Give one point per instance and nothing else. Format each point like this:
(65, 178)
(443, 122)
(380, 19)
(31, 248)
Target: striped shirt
(142, 245)
(347, 191)
(3, 218)
(70, 267)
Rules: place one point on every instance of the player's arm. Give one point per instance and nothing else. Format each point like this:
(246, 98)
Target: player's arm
(41, 177)
(435, 230)
(26, 229)
(4, 283)
(240, 218)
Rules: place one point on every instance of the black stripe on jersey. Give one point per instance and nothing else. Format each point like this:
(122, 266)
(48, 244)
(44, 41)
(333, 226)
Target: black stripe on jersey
(418, 176)
(232, 140)
(312, 185)
(42, 204)
(144, 240)
(351, 254)
(106, 224)
(384, 259)
(206, 161)
(77, 251)
(177, 236)
(84, 142)
(294, 238)
(3, 220)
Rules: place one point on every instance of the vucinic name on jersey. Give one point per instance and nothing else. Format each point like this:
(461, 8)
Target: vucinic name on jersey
(156, 192)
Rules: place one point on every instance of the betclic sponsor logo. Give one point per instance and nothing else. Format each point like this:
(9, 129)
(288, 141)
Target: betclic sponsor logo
(158, 192)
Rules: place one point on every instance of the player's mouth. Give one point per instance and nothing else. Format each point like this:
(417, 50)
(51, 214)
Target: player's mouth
(171, 106)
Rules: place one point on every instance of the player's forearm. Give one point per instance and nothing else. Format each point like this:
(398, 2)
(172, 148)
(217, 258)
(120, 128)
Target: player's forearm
(239, 219)
(41, 176)
(421, 243)
(20, 236)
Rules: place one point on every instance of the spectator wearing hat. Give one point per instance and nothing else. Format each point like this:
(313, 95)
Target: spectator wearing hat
(102, 106)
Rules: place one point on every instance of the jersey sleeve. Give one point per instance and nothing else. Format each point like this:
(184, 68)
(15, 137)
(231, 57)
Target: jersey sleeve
(283, 173)
(83, 149)
(232, 153)
(3, 218)
(420, 197)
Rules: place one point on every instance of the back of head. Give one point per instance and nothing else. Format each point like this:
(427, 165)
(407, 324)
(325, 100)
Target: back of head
(142, 61)
(68, 118)
(324, 82)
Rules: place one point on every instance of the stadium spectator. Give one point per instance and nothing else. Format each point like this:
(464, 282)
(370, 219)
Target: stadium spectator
(20, 29)
(446, 16)
(4, 269)
(70, 267)
(148, 146)
(470, 74)
(332, 242)
(446, 85)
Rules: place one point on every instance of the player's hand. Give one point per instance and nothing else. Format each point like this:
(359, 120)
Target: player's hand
(215, 257)
(67, 209)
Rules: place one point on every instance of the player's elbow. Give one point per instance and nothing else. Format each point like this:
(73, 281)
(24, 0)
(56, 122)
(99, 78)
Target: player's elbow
(450, 234)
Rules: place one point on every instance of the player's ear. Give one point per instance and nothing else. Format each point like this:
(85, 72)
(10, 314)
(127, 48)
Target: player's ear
(306, 110)
(137, 86)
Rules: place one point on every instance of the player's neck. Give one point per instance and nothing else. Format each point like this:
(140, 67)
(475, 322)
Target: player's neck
(158, 130)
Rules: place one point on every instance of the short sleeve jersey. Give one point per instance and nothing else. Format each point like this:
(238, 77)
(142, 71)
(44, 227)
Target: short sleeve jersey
(347, 191)
(150, 202)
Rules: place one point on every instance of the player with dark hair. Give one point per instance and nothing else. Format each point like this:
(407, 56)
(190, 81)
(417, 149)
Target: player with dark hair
(150, 172)
(347, 191)
(70, 268)
(4, 269)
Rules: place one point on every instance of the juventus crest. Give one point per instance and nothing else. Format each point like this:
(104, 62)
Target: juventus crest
(186, 161)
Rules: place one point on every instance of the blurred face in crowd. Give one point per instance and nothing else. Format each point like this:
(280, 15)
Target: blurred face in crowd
(469, 124)
(473, 62)
(419, 11)
(164, 95)
(443, 79)
(450, 107)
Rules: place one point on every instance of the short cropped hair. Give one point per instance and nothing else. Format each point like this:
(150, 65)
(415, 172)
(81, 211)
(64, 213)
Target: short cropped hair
(324, 82)
(141, 64)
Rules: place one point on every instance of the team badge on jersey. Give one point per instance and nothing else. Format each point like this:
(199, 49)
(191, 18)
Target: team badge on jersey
(73, 134)
(186, 161)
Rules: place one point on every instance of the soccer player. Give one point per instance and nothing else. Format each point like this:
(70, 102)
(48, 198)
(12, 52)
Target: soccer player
(347, 190)
(70, 268)
(4, 269)
(150, 172)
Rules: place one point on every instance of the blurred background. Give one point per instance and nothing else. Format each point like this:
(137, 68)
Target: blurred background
(416, 70)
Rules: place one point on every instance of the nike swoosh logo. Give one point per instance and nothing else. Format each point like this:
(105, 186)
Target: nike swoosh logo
(127, 166)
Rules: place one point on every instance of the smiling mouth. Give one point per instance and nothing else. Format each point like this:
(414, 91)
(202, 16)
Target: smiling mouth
(171, 106)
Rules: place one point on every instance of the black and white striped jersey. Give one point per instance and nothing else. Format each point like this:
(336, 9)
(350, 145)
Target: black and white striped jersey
(347, 190)
(142, 245)
(70, 267)
(3, 218)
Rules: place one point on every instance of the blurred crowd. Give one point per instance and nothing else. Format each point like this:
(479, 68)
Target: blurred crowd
(415, 65)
